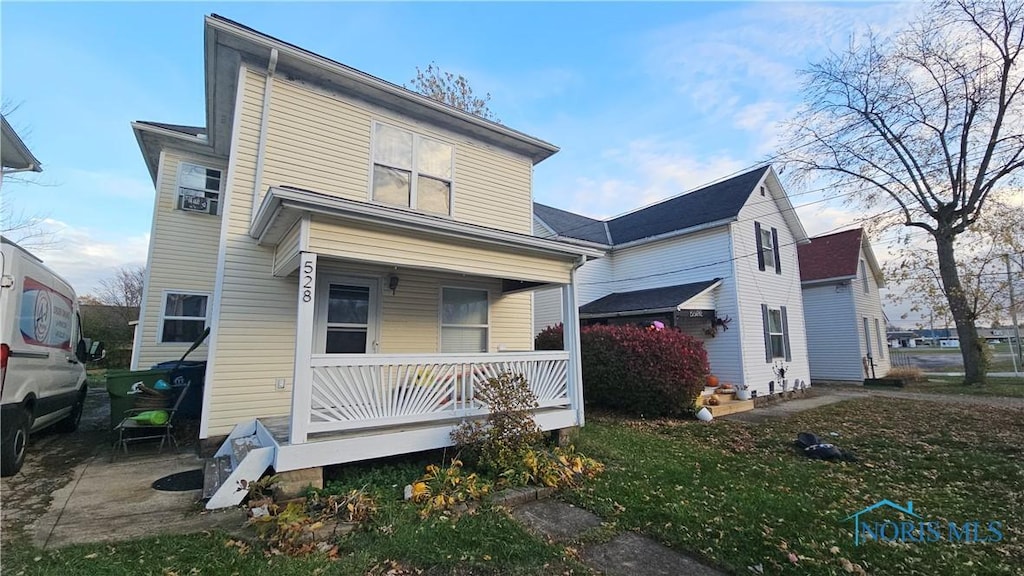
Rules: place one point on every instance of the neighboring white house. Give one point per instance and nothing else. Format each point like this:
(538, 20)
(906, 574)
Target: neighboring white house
(902, 339)
(363, 256)
(719, 263)
(843, 308)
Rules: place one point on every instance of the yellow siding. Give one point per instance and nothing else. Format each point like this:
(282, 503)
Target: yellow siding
(287, 250)
(321, 142)
(183, 258)
(256, 329)
(406, 249)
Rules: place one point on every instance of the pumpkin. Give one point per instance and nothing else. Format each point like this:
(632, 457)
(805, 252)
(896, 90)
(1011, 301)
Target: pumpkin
(712, 380)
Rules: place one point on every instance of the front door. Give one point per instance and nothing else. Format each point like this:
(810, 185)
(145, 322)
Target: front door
(347, 315)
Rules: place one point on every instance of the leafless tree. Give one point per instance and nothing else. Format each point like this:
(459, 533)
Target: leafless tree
(123, 290)
(920, 128)
(27, 229)
(450, 89)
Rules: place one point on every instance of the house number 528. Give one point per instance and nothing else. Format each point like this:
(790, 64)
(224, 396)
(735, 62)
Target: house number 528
(307, 281)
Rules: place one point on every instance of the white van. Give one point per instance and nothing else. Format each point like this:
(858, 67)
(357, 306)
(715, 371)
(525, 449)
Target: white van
(42, 353)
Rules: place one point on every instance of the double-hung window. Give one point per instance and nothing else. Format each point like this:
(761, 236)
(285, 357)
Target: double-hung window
(184, 317)
(411, 170)
(776, 333)
(464, 320)
(198, 188)
(767, 240)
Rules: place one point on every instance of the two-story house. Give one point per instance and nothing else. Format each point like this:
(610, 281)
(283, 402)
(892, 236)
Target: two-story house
(363, 255)
(719, 263)
(843, 314)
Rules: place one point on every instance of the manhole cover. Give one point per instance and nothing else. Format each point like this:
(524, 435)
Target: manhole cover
(180, 482)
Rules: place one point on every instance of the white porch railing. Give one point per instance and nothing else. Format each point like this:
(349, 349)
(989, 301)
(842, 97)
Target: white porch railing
(361, 391)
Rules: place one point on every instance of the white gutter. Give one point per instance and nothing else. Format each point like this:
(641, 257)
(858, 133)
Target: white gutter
(278, 199)
(264, 120)
(347, 72)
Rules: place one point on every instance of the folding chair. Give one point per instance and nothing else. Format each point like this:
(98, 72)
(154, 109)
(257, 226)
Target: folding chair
(132, 430)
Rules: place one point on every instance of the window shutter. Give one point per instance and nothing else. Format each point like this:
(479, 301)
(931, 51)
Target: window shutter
(785, 334)
(775, 245)
(760, 248)
(767, 335)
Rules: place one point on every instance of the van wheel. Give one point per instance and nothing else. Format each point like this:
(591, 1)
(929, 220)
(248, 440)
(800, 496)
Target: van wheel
(14, 442)
(70, 424)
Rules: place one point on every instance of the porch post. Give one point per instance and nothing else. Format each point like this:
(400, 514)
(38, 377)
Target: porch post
(571, 341)
(302, 378)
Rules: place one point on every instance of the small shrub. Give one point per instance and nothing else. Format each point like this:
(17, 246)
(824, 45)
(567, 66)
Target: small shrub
(549, 338)
(558, 468)
(443, 487)
(641, 370)
(908, 373)
(498, 441)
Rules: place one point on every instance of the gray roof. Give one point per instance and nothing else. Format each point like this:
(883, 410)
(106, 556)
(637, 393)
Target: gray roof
(720, 201)
(570, 224)
(668, 297)
(190, 130)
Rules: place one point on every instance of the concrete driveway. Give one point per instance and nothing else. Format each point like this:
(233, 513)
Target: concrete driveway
(69, 491)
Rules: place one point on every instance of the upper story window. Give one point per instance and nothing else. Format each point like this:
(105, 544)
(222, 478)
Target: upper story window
(198, 188)
(411, 170)
(864, 277)
(767, 240)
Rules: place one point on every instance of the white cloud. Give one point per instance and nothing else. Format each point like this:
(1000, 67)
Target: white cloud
(112, 184)
(649, 170)
(84, 256)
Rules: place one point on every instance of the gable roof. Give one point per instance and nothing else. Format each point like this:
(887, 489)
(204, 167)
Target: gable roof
(189, 130)
(710, 206)
(720, 201)
(649, 300)
(570, 224)
(835, 256)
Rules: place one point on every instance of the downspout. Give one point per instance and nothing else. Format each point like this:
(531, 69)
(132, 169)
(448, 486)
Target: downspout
(262, 143)
(576, 358)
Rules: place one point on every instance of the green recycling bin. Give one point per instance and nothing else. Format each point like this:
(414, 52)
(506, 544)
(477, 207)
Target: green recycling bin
(119, 382)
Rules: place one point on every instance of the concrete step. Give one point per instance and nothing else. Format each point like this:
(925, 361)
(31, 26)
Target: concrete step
(215, 472)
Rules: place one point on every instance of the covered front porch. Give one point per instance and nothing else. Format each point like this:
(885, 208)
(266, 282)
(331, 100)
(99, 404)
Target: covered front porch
(397, 327)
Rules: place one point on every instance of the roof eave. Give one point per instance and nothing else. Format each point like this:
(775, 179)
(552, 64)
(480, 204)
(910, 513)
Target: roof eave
(535, 148)
(26, 160)
(278, 199)
(674, 233)
(151, 150)
(830, 280)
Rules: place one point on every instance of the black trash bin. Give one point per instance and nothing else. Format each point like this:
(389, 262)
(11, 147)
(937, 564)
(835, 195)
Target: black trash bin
(193, 373)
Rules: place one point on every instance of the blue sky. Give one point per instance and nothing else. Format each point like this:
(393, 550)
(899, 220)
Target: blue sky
(645, 100)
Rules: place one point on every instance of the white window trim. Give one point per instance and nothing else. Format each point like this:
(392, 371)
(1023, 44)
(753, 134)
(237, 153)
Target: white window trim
(373, 323)
(864, 275)
(178, 186)
(417, 134)
(163, 316)
(878, 339)
(781, 333)
(768, 249)
(440, 316)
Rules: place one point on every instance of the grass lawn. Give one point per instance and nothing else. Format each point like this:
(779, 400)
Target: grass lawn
(1012, 387)
(734, 494)
(739, 496)
(394, 543)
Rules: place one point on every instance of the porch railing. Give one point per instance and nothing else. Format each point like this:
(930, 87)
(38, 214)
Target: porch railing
(364, 391)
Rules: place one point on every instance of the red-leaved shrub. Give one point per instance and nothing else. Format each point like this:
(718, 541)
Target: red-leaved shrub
(637, 370)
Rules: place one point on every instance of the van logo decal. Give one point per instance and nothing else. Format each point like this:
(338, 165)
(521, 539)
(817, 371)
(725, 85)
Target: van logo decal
(46, 317)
